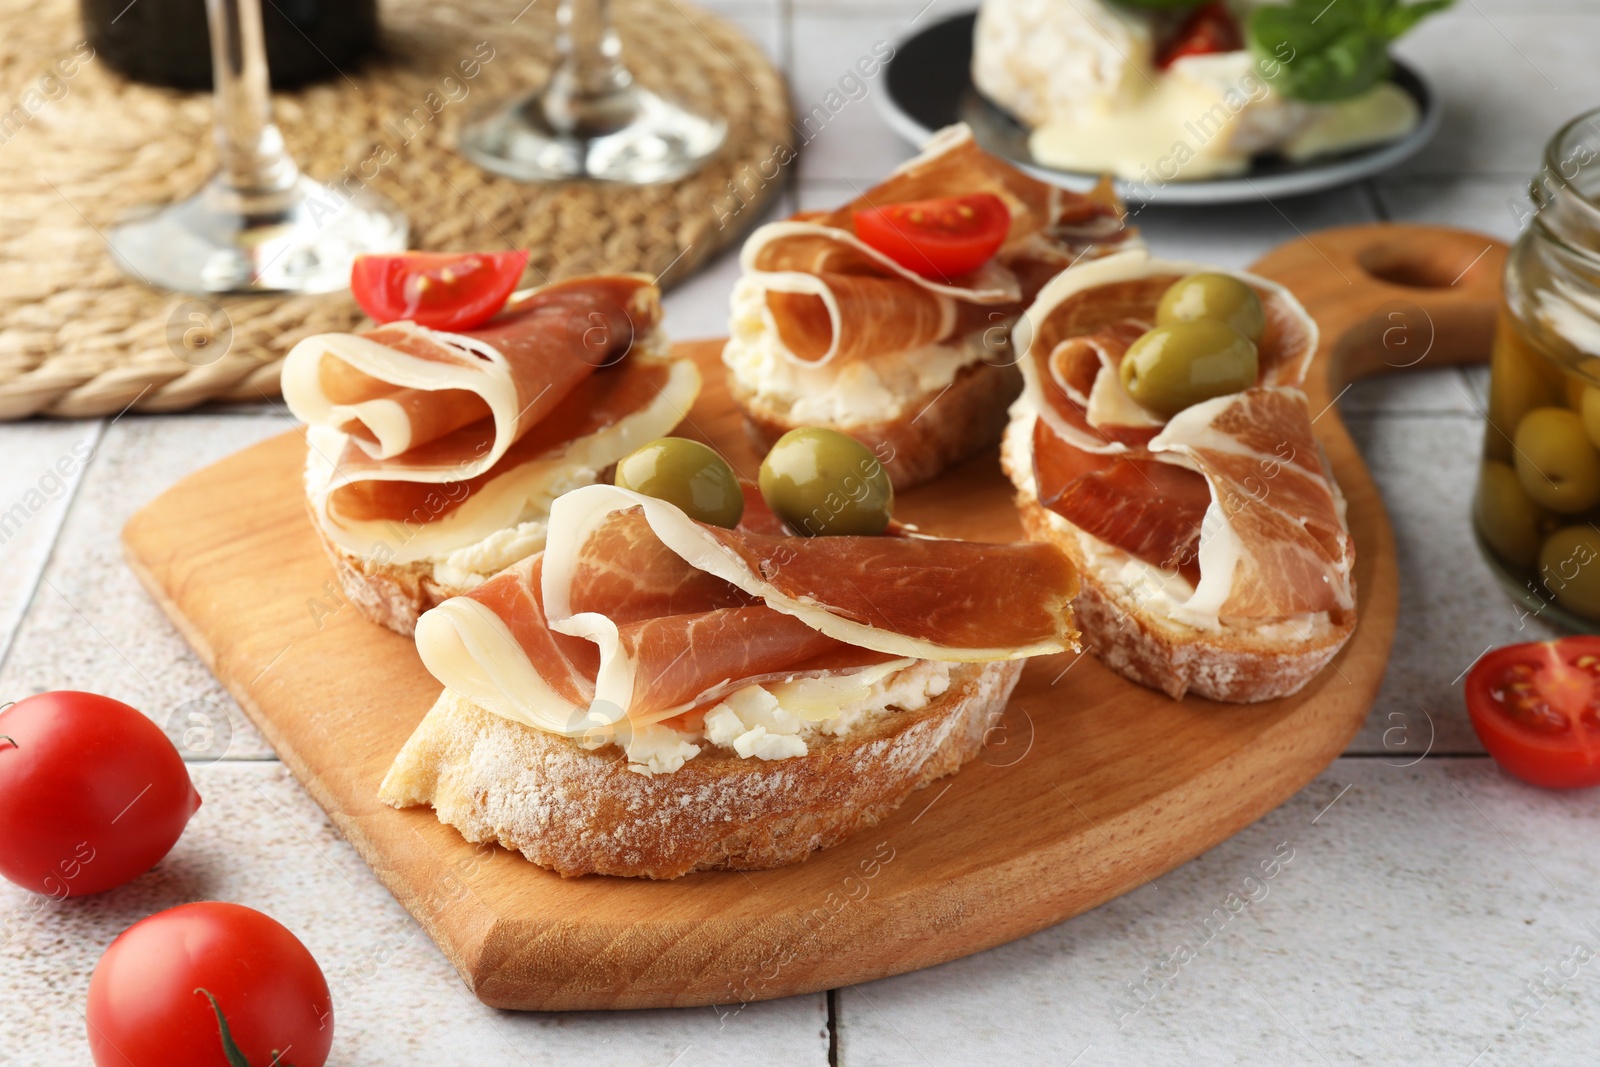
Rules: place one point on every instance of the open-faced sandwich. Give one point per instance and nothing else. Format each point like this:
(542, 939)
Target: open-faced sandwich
(1164, 443)
(1157, 91)
(889, 318)
(657, 693)
(435, 453)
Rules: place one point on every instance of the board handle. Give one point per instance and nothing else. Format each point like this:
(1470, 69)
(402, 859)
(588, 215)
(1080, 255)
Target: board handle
(1391, 296)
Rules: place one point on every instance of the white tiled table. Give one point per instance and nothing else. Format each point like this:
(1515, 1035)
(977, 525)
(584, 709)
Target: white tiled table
(1423, 893)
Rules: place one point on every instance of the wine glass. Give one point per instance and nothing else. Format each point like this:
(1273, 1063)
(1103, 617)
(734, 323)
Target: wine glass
(259, 224)
(590, 120)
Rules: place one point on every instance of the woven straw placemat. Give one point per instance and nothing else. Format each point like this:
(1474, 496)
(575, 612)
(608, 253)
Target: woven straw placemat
(79, 146)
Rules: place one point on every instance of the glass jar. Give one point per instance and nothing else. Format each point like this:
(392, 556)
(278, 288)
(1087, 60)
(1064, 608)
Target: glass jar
(1537, 506)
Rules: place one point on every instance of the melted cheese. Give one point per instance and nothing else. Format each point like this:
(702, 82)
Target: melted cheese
(1083, 76)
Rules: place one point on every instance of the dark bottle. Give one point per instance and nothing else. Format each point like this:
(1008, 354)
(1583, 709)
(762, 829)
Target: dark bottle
(166, 42)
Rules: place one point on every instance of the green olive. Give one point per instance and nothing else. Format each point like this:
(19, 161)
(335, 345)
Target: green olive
(822, 482)
(1570, 566)
(688, 474)
(1555, 461)
(1216, 297)
(1518, 383)
(1588, 406)
(1507, 518)
(1172, 367)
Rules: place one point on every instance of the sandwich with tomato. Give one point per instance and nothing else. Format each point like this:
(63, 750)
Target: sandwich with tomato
(698, 674)
(889, 318)
(439, 438)
(1163, 442)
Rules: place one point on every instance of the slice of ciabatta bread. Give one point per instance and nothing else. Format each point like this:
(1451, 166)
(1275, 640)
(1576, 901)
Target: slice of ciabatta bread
(934, 432)
(578, 812)
(1235, 664)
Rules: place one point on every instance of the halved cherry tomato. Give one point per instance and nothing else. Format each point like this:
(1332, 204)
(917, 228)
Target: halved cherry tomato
(208, 985)
(1536, 708)
(943, 238)
(1209, 28)
(438, 290)
(92, 794)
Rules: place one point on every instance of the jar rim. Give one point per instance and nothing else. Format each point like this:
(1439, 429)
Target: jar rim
(1565, 161)
(1567, 209)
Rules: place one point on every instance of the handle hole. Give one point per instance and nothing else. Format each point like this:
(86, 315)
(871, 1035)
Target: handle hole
(1439, 263)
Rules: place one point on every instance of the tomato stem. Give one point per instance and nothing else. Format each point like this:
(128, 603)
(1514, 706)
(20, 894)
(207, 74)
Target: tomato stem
(230, 1048)
(7, 737)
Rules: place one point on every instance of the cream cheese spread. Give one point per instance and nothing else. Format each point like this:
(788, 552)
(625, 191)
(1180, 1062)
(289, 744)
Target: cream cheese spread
(879, 388)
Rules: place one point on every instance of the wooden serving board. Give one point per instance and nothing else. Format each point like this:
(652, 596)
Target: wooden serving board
(1091, 787)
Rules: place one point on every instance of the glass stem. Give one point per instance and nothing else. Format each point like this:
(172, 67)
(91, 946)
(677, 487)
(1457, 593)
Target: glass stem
(249, 146)
(591, 92)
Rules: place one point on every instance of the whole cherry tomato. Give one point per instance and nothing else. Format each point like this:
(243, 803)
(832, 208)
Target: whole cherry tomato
(1536, 708)
(92, 794)
(209, 985)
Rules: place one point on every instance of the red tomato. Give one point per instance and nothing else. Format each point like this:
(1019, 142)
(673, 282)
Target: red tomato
(1536, 708)
(92, 794)
(943, 238)
(1209, 28)
(149, 999)
(437, 290)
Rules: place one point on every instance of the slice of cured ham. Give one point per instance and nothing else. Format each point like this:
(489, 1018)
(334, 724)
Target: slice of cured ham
(636, 612)
(1152, 510)
(425, 441)
(832, 297)
(1075, 334)
(1275, 545)
(1232, 495)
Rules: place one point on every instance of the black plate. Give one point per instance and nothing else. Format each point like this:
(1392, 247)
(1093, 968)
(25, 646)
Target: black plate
(928, 86)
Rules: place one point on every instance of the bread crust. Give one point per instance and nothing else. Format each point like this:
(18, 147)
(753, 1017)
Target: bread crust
(1236, 666)
(390, 594)
(938, 430)
(583, 812)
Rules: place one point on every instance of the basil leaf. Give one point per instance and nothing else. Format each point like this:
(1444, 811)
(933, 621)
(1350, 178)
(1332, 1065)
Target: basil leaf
(1402, 17)
(1319, 51)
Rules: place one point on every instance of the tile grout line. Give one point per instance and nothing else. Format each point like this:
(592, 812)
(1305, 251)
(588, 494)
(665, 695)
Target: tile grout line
(833, 1027)
(1375, 201)
(97, 436)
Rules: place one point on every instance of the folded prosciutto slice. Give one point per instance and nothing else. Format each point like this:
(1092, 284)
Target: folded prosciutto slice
(636, 615)
(424, 442)
(829, 296)
(1230, 504)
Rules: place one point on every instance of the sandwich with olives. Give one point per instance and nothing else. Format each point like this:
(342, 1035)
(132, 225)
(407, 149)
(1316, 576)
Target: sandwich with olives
(1163, 442)
(697, 673)
(438, 441)
(889, 318)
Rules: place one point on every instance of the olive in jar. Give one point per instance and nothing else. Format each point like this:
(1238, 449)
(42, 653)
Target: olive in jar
(1507, 517)
(1557, 465)
(1569, 564)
